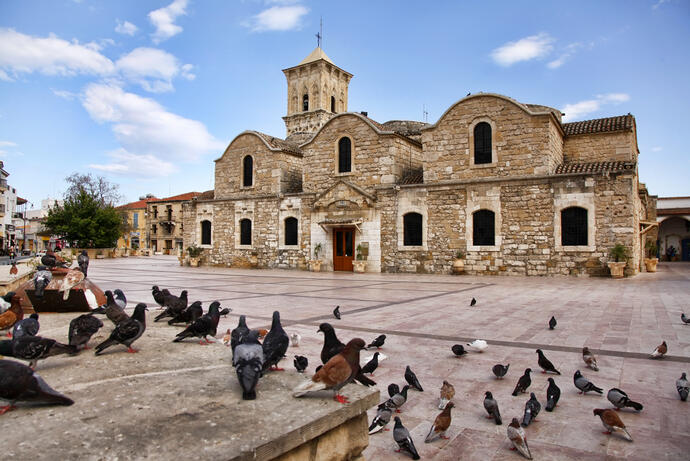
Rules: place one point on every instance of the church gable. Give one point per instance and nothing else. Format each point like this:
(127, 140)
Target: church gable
(344, 195)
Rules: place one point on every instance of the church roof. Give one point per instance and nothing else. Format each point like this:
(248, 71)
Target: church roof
(594, 167)
(600, 125)
(280, 144)
(315, 56)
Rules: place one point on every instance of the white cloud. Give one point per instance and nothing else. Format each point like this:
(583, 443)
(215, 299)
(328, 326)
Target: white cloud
(126, 28)
(20, 53)
(7, 144)
(565, 55)
(656, 149)
(532, 47)
(11, 152)
(164, 20)
(659, 3)
(64, 94)
(578, 110)
(129, 164)
(153, 69)
(277, 18)
(146, 130)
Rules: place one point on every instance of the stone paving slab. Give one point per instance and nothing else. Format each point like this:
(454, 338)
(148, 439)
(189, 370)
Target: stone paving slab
(423, 315)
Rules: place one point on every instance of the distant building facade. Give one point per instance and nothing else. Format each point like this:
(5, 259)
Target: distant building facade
(135, 216)
(508, 184)
(165, 223)
(673, 215)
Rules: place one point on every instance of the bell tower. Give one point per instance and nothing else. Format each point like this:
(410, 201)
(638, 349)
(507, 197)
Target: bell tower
(317, 90)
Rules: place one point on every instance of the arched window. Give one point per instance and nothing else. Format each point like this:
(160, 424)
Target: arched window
(574, 226)
(205, 232)
(482, 143)
(245, 232)
(483, 228)
(344, 155)
(291, 231)
(333, 104)
(248, 171)
(412, 229)
(305, 102)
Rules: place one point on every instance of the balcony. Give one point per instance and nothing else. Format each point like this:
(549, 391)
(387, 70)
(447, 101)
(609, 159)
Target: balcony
(18, 215)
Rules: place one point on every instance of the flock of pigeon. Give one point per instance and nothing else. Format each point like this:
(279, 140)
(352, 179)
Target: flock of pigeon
(252, 358)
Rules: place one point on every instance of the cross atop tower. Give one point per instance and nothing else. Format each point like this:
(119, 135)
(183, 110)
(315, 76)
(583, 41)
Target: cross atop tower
(319, 34)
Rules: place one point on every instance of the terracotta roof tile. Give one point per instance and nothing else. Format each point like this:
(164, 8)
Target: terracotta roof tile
(600, 125)
(135, 205)
(594, 167)
(174, 198)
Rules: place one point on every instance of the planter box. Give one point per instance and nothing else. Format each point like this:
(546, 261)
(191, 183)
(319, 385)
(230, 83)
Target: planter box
(100, 256)
(617, 269)
(194, 262)
(650, 264)
(458, 266)
(315, 265)
(359, 266)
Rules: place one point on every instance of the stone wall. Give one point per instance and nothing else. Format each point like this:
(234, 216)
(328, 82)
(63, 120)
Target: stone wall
(600, 147)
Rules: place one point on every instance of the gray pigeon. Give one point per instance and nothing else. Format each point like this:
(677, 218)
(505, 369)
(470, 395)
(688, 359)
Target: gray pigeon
(682, 387)
(685, 319)
(26, 327)
(239, 332)
(402, 437)
(491, 407)
(127, 331)
(532, 409)
(553, 394)
(382, 418)
(83, 262)
(500, 370)
(619, 399)
(19, 383)
(398, 400)
(120, 298)
(584, 384)
(248, 359)
(111, 309)
(412, 380)
(42, 278)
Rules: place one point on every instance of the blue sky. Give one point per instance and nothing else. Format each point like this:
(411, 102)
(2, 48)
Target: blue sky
(149, 93)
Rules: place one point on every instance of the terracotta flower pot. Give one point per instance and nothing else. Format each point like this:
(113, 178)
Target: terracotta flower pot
(359, 266)
(617, 269)
(458, 266)
(650, 264)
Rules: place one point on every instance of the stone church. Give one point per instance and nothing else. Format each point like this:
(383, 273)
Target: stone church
(506, 183)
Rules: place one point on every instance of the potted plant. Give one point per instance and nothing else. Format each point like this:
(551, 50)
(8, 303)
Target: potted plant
(671, 253)
(315, 264)
(99, 254)
(651, 260)
(619, 253)
(194, 255)
(135, 249)
(459, 262)
(359, 265)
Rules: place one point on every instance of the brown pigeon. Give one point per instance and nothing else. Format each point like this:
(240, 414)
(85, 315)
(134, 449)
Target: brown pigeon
(516, 434)
(589, 359)
(660, 351)
(441, 424)
(612, 422)
(13, 269)
(12, 315)
(336, 373)
(72, 278)
(447, 394)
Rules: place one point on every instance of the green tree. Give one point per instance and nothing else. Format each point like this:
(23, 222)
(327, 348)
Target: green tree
(87, 219)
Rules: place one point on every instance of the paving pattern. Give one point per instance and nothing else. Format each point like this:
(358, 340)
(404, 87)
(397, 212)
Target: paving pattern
(621, 321)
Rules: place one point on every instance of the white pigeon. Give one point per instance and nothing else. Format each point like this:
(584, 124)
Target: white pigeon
(4, 305)
(478, 345)
(72, 278)
(295, 339)
(90, 298)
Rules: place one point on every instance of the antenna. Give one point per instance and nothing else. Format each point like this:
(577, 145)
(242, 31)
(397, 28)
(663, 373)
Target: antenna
(319, 35)
(425, 114)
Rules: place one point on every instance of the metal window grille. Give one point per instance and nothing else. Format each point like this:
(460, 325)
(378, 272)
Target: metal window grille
(291, 231)
(344, 155)
(482, 143)
(333, 104)
(483, 228)
(574, 226)
(205, 232)
(412, 229)
(245, 232)
(248, 171)
(305, 103)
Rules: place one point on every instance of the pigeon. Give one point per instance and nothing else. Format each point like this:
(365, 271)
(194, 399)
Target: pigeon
(42, 278)
(115, 313)
(402, 437)
(393, 389)
(478, 345)
(491, 407)
(173, 305)
(371, 365)
(227, 337)
(51, 260)
(398, 400)
(19, 383)
(523, 383)
(473, 302)
(331, 344)
(11, 316)
(441, 424)
(685, 319)
(90, 299)
(458, 350)
(382, 418)
(190, 314)
(584, 384)
(619, 399)
(589, 359)
(545, 363)
(500, 370)
(276, 344)
(35, 348)
(378, 342)
(26, 327)
(295, 339)
(412, 380)
(552, 323)
(612, 422)
(158, 296)
(301, 363)
(127, 331)
(224, 312)
(204, 326)
(83, 262)
(336, 312)
(72, 278)
(447, 394)
(660, 351)
(516, 435)
(336, 373)
(682, 387)
(247, 359)
(6, 301)
(553, 393)
(82, 328)
(239, 332)
(120, 298)
(532, 409)
(14, 270)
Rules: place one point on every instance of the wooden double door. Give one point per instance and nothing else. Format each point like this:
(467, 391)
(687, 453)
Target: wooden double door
(343, 248)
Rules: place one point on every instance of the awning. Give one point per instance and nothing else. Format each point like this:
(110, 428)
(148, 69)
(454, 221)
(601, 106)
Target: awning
(326, 223)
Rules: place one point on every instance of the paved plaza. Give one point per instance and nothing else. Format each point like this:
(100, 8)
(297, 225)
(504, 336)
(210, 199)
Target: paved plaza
(622, 321)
